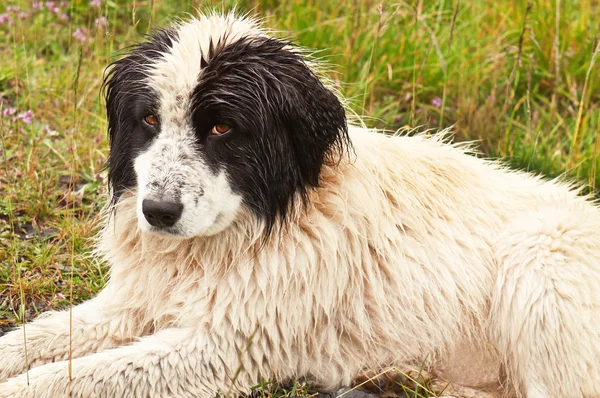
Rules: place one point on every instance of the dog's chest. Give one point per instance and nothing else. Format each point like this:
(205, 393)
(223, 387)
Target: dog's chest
(183, 302)
(162, 292)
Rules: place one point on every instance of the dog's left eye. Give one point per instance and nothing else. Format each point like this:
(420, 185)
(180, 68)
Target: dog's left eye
(220, 129)
(151, 120)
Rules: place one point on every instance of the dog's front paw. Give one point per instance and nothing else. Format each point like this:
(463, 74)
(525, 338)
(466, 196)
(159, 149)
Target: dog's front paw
(12, 357)
(14, 388)
(11, 365)
(45, 381)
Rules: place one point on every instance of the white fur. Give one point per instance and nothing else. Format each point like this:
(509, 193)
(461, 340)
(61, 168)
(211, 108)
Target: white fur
(405, 251)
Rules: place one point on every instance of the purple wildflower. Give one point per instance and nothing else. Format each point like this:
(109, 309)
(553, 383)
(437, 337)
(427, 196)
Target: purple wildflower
(96, 3)
(82, 35)
(101, 22)
(60, 295)
(50, 4)
(23, 15)
(26, 117)
(37, 5)
(9, 112)
(437, 102)
(64, 17)
(5, 19)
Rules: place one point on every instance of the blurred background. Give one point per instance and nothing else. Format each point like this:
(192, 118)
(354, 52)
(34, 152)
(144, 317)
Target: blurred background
(522, 79)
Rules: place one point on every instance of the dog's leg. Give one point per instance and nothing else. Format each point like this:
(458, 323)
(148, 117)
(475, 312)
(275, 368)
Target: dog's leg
(545, 315)
(50, 338)
(171, 363)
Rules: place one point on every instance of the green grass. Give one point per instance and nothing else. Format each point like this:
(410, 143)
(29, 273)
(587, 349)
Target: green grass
(391, 382)
(522, 80)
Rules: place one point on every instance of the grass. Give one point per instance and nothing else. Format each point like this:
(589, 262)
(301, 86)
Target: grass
(391, 382)
(522, 79)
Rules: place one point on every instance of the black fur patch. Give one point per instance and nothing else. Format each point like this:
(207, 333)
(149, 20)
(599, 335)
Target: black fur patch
(128, 100)
(285, 123)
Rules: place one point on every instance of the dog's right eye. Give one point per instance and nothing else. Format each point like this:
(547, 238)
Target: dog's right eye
(151, 120)
(220, 129)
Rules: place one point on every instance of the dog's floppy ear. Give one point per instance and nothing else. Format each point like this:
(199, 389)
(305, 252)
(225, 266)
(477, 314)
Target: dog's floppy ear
(313, 116)
(121, 175)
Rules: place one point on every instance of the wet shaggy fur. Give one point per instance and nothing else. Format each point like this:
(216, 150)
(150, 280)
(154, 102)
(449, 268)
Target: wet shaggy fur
(307, 247)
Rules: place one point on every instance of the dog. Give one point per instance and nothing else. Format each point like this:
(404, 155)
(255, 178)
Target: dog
(254, 233)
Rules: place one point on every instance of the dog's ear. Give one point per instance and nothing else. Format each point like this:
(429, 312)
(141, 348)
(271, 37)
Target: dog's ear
(126, 89)
(313, 116)
(121, 175)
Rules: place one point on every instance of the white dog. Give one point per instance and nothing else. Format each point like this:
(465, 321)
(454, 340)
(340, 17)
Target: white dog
(254, 234)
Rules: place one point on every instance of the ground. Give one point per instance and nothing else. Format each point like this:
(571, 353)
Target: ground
(521, 79)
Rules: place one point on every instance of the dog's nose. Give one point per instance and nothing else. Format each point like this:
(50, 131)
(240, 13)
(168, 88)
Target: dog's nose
(161, 214)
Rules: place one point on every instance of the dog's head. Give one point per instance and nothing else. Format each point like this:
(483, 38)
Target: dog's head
(212, 117)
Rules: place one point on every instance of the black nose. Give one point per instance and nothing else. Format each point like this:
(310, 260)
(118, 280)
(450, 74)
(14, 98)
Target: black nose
(161, 214)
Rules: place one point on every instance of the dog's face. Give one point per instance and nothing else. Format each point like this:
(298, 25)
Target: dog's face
(212, 118)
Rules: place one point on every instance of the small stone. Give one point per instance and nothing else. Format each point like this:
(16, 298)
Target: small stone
(347, 392)
(5, 329)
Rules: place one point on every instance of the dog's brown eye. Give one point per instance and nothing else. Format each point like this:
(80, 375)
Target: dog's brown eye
(220, 128)
(151, 120)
